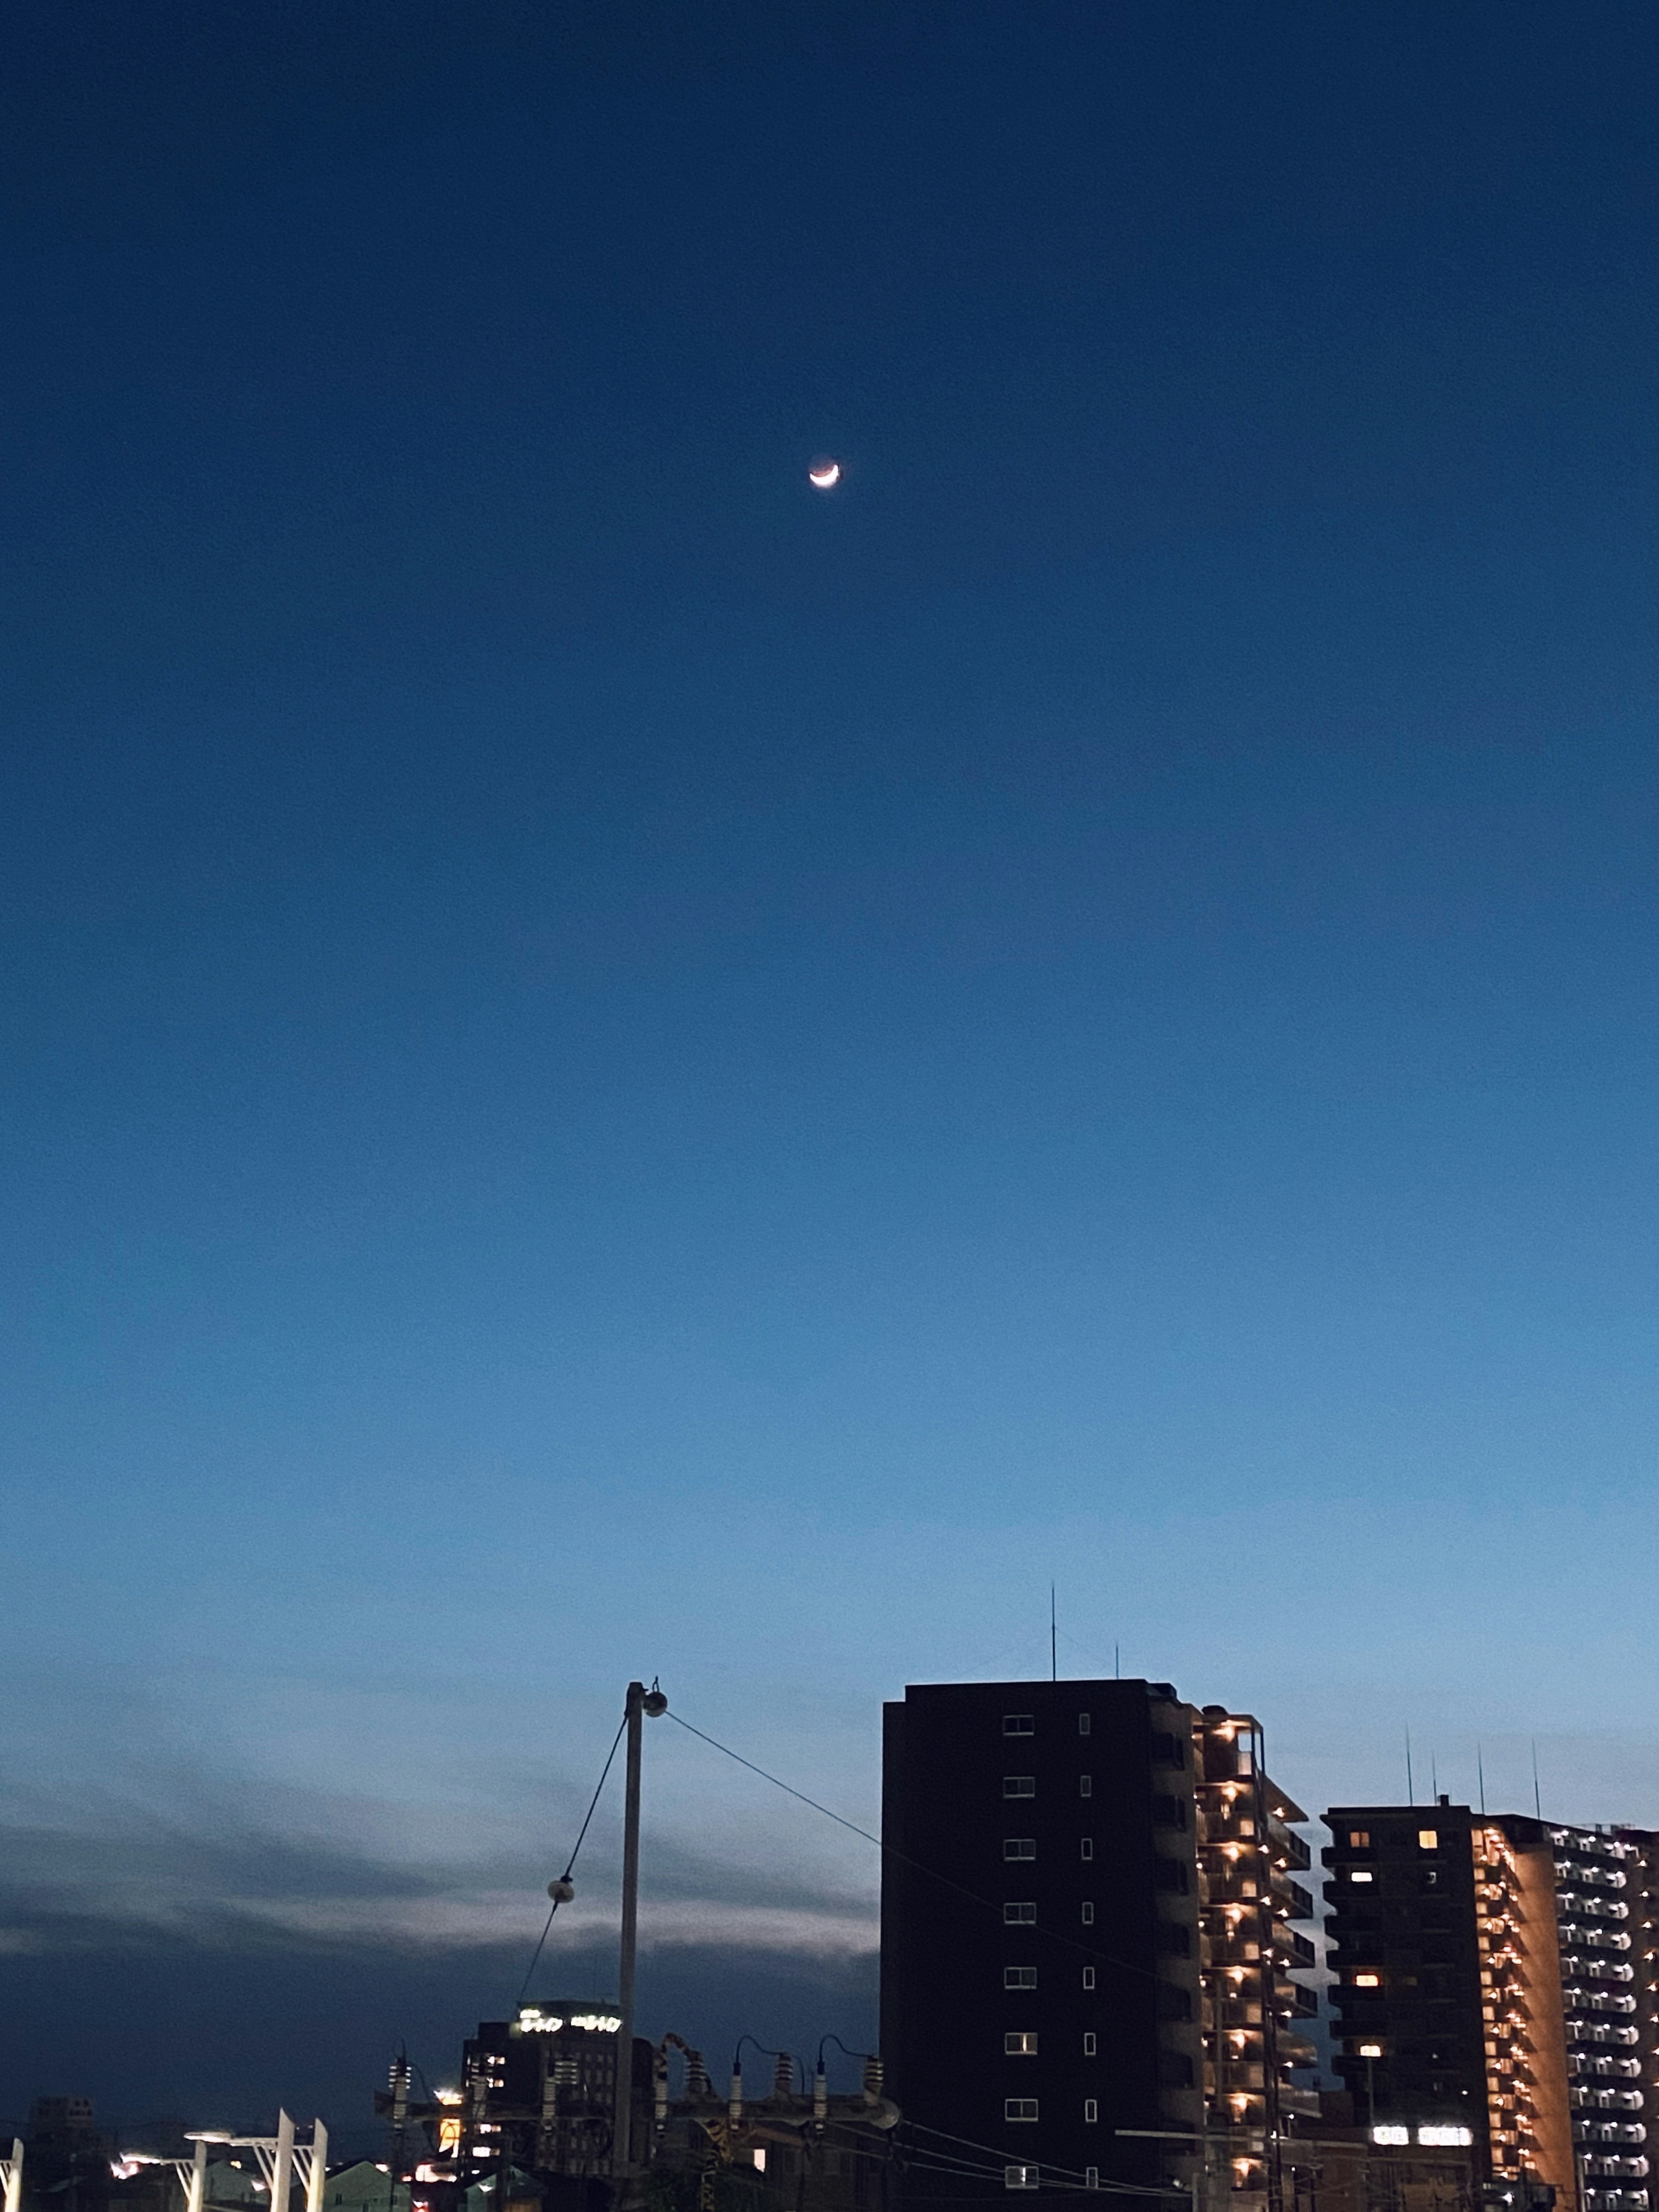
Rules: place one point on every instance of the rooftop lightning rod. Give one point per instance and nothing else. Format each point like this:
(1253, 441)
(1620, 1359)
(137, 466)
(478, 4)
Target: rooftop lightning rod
(1053, 1652)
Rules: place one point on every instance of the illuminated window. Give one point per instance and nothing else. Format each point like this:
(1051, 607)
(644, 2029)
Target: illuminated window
(1019, 1978)
(1020, 2043)
(1088, 1913)
(1087, 1978)
(1021, 2109)
(1089, 2043)
(1389, 2133)
(1018, 1724)
(1019, 1847)
(1019, 1785)
(1019, 2177)
(1090, 2112)
(1359, 1839)
(1428, 1839)
(1019, 1916)
(1368, 1981)
(1360, 1873)
(1370, 2050)
(1435, 2138)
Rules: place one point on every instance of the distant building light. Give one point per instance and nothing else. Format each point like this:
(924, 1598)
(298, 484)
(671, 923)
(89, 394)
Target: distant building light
(1428, 1839)
(597, 2023)
(447, 2096)
(1361, 1873)
(1387, 2132)
(1368, 1981)
(1443, 2138)
(759, 2156)
(1371, 2050)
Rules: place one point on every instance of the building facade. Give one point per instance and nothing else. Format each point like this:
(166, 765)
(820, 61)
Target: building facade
(1087, 1947)
(1495, 1985)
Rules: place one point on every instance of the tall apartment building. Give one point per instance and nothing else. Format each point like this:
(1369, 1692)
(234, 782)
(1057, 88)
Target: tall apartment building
(1086, 1942)
(1496, 1984)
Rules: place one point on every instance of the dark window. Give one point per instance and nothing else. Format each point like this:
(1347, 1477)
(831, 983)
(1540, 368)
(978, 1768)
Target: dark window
(1174, 2004)
(1083, 1724)
(1020, 1916)
(1169, 1812)
(1086, 1848)
(1167, 1750)
(1019, 1785)
(1175, 2070)
(1175, 1939)
(1018, 1724)
(1169, 1874)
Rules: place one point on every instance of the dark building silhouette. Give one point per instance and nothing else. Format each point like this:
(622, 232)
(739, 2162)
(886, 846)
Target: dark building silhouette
(1085, 1949)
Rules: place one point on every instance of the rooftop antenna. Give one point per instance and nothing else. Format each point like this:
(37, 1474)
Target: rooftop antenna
(1434, 1777)
(1537, 1805)
(1117, 1671)
(1410, 1793)
(1054, 1650)
(1480, 1771)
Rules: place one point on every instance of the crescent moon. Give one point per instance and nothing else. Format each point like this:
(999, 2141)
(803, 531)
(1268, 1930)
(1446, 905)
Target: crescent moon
(826, 475)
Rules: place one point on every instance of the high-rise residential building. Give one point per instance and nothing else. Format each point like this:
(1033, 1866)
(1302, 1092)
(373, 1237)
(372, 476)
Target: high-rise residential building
(1495, 1985)
(1086, 1942)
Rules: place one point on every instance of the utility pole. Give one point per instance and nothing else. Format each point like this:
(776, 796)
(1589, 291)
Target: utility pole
(641, 1701)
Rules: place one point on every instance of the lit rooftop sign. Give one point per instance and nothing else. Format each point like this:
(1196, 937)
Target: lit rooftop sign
(532, 2021)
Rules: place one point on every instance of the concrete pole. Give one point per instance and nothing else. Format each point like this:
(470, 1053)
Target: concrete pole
(195, 2187)
(14, 2172)
(282, 2171)
(621, 2149)
(318, 2173)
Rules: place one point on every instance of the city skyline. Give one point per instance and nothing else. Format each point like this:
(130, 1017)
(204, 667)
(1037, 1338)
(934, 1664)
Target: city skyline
(619, 1065)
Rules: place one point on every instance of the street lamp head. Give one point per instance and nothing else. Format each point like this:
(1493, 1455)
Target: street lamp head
(654, 1704)
(562, 1890)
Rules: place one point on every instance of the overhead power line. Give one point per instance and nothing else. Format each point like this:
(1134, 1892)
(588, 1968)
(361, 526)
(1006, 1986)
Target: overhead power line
(1052, 1935)
(570, 1863)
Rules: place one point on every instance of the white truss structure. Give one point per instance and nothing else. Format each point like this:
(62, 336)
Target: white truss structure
(282, 2160)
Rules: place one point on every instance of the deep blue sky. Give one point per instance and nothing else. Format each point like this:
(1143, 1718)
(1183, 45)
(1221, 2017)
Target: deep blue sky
(614, 1067)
